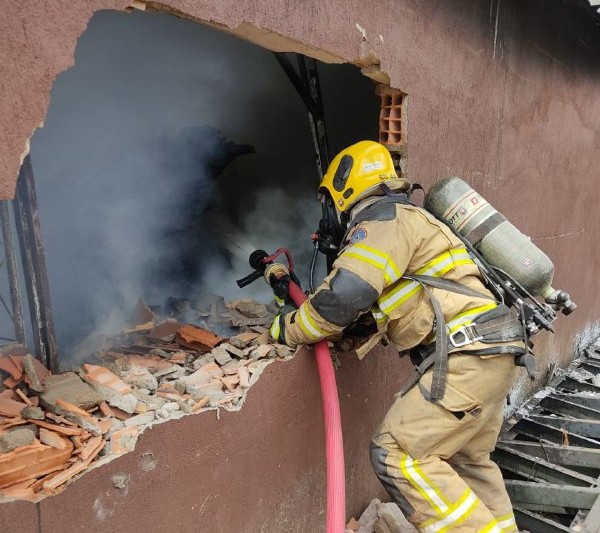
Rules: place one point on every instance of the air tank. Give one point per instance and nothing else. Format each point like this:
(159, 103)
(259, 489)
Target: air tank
(499, 242)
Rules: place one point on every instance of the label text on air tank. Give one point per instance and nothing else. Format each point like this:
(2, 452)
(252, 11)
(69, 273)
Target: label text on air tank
(461, 211)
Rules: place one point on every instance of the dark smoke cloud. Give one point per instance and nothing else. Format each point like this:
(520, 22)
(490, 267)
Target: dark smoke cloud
(146, 181)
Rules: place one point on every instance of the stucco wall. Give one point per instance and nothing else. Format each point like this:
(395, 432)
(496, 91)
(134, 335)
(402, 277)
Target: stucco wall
(502, 93)
(258, 470)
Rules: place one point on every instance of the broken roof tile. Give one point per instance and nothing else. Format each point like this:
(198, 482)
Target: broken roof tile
(30, 462)
(55, 440)
(198, 338)
(166, 329)
(10, 407)
(64, 430)
(103, 377)
(9, 366)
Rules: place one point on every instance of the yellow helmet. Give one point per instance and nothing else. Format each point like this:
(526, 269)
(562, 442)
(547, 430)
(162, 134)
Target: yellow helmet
(357, 171)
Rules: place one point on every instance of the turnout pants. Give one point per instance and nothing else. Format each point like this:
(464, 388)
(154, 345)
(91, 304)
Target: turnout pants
(434, 458)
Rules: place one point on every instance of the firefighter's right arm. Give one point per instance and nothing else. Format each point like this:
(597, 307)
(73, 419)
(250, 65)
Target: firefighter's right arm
(375, 258)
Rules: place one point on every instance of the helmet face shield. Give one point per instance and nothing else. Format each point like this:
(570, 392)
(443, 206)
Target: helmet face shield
(356, 171)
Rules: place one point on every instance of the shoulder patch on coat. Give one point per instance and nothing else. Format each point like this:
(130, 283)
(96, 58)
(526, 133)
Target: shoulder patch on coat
(358, 235)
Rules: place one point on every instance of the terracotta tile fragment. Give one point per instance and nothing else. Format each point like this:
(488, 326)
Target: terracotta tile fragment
(90, 447)
(23, 396)
(103, 377)
(72, 408)
(151, 362)
(78, 441)
(21, 491)
(120, 414)
(12, 422)
(11, 407)
(165, 329)
(200, 404)
(60, 419)
(105, 409)
(168, 388)
(244, 376)
(213, 369)
(29, 462)
(64, 476)
(11, 382)
(178, 358)
(262, 339)
(8, 365)
(58, 429)
(37, 485)
(198, 338)
(123, 440)
(50, 438)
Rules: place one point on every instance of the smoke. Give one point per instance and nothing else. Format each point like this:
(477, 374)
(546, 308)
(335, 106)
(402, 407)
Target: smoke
(170, 151)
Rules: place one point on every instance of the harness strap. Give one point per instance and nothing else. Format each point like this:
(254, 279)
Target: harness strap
(440, 355)
(439, 358)
(522, 358)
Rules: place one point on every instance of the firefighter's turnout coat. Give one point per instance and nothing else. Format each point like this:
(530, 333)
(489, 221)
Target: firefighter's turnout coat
(432, 457)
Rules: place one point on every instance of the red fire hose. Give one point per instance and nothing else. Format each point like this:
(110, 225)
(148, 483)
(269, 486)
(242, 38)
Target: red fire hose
(334, 446)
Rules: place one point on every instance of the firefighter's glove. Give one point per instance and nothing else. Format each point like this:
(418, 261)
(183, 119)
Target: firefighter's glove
(277, 330)
(278, 276)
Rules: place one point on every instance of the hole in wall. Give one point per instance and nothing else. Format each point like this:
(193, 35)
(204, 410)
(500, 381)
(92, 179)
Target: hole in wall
(171, 150)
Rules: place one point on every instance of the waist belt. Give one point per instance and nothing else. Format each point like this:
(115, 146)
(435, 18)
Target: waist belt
(496, 325)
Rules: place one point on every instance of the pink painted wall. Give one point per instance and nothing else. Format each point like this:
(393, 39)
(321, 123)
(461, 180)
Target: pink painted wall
(501, 93)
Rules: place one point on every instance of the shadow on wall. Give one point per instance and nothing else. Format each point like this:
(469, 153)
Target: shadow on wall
(170, 151)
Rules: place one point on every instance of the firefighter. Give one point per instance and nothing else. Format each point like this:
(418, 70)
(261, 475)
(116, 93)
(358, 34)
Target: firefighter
(414, 277)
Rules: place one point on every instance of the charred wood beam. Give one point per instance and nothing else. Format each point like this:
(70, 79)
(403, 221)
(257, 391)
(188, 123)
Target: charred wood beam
(567, 456)
(12, 271)
(538, 469)
(537, 523)
(537, 430)
(34, 266)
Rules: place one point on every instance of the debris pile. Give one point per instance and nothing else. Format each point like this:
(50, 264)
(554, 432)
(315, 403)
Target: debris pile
(55, 426)
(380, 518)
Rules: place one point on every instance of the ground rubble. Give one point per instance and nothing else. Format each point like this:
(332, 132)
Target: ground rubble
(54, 427)
(380, 517)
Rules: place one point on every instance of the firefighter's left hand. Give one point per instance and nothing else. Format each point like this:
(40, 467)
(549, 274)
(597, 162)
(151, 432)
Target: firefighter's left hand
(277, 330)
